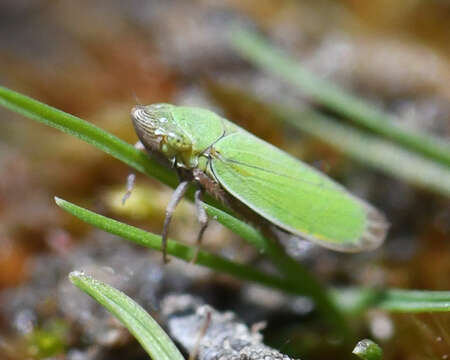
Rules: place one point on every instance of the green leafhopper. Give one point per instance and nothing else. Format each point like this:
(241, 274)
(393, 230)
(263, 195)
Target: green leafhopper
(248, 173)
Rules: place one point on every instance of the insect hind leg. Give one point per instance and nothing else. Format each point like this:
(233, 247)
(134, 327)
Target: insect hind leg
(202, 218)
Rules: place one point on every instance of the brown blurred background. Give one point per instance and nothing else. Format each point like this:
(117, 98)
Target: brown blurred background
(96, 59)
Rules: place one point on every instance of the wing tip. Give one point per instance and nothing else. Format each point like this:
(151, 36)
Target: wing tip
(373, 236)
(374, 233)
(376, 229)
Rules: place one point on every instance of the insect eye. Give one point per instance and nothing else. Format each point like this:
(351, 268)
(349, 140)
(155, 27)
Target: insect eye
(178, 141)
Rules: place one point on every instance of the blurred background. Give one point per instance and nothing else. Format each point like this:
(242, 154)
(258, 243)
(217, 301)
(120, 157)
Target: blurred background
(97, 59)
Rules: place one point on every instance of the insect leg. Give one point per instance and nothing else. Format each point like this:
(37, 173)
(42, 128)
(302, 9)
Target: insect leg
(177, 195)
(130, 185)
(200, 336)
(202, 218)
(131, 177)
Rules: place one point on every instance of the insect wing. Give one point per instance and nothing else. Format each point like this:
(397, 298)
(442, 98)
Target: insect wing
(294, 196)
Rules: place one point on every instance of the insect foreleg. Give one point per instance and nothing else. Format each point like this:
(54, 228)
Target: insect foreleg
(130, 185)
(177, 195)
(202, 218)
(131, 177)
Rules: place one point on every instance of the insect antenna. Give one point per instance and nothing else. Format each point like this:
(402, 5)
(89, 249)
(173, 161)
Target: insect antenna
(136, 98)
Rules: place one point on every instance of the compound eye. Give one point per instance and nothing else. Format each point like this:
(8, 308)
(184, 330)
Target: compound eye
(178, 142)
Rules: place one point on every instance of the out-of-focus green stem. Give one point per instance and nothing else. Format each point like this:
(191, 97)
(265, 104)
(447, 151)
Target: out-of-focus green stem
(370, 150)
(357, 300)
(260, 52)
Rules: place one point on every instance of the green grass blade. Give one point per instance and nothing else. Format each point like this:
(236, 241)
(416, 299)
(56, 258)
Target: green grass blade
(290, 268)
(260, 52)
(356, 300)
(370, 150)
(92, 134)
(140, 161)
(351, 300)
(181, 251)
(146, 330)
(110, 144)
(301, 283)
(128, 154)
(415, 301)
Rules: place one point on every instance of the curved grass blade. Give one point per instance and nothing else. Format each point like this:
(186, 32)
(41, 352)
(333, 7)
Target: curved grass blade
(351, 300)
(119, 149)
(260, 52)
(125, 152)
(86, 131)
(181, 251)
(146, 330)
(300, 283)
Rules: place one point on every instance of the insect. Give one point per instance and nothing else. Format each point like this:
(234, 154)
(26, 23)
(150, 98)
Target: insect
(254, 177)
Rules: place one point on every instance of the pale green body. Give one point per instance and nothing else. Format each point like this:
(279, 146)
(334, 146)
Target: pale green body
(286, 192)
